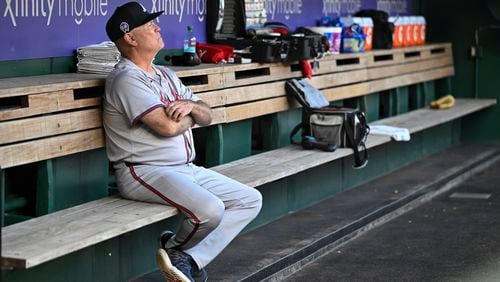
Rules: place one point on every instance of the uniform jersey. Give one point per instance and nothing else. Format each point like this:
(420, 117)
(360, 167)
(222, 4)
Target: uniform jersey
(130, 94)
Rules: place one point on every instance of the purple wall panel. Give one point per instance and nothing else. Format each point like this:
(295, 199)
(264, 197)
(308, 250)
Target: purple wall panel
(52, 28)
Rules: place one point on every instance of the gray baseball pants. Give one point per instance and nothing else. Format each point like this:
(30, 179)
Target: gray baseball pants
(216, 207)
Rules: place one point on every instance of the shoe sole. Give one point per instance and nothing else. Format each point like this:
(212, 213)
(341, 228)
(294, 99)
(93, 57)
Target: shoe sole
(201, 278)
(169, 271)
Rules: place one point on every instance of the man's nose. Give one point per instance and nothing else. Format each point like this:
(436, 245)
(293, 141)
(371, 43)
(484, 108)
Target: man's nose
(157, 27)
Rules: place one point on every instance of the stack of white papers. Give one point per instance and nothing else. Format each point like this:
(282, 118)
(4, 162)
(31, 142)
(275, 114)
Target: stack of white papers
(97, 58)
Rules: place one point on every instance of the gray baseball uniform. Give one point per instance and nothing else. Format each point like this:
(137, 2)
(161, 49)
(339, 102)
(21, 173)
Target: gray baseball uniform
(154, 168)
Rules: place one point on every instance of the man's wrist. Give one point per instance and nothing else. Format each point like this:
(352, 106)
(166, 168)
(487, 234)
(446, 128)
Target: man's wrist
(193, 122)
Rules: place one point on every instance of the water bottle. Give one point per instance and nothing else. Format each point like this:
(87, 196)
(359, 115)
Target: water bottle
(190, 41)
(190, 58)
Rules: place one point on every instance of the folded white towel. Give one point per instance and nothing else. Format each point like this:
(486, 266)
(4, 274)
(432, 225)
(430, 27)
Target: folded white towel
(397, 133)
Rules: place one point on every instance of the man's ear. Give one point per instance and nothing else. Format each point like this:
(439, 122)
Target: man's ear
(129, 39)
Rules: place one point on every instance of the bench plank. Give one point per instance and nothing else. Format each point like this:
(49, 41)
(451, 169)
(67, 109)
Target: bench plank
(203, 82)
(31, 128)
(253, 92)
(421, 119)
(345, 62)
(48, 148)
(44, 103)
(18, 86)
(255, 109)
(87, 224)
(268, 106)
(356, 76)
(360, 89)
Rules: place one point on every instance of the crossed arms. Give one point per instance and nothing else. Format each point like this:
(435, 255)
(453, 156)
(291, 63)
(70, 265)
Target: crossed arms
(177, 117)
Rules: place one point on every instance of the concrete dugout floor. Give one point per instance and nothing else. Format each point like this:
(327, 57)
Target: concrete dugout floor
(454, 237)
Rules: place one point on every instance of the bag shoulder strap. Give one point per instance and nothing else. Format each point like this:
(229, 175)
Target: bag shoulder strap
(294, 131)
(358, 162)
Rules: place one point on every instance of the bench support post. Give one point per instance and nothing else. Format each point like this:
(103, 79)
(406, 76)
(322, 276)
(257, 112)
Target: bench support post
(386, 104)
(220, 150)
(71, 180)
(45, 188)
(395, 101)
(371, 106)
(443, 87)
(275, 129)
(428, 92)
(400, 95)
(415, 101)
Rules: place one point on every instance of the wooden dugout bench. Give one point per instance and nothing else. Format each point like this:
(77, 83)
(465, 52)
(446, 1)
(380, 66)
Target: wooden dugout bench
(52, 116)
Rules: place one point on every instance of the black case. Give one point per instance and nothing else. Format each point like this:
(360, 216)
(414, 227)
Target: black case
(300, 48)
(226, 23)
(267, 51)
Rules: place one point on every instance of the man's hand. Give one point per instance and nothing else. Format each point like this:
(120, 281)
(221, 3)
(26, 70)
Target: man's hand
(179, 109)
(199, 111)
(161, 123)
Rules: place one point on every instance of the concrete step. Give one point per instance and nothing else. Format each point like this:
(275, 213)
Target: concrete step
(282, 247)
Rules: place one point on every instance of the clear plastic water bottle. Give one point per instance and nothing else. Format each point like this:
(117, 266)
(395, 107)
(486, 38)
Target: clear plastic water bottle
(190, 41)
(190, 58)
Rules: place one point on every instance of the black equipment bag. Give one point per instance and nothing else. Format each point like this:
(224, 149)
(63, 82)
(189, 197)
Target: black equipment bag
(328, 128)
(302, 47)
(382, 28)
(268, 50)
(226, 24)
(225, 20)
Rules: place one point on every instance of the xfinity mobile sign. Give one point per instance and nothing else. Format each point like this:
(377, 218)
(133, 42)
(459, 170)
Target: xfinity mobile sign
(81, 9)
(47, 9)
(53, 28)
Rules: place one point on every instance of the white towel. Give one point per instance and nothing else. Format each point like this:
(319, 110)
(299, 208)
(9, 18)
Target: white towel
(397, 133)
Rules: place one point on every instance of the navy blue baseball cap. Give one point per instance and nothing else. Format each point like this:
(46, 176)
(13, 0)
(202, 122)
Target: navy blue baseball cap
(127, 17)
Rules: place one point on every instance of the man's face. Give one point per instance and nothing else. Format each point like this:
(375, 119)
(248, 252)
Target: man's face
(148, 37)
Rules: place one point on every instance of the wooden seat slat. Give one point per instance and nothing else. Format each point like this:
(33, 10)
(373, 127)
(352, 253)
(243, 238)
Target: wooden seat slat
(356, 76)
(59, 234)
(268, 106)
(421, 119)
(48, 125)
(48, 148)
(44, 103)
(360, 89)
(19, 86)
(257, 108)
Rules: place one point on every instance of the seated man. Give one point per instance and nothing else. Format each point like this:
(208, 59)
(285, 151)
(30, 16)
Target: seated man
(148, 115)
